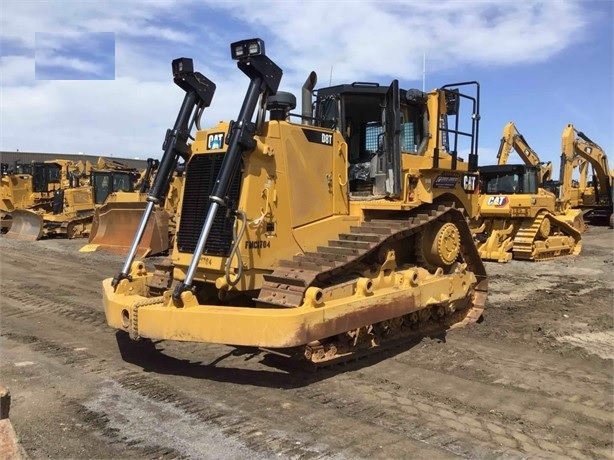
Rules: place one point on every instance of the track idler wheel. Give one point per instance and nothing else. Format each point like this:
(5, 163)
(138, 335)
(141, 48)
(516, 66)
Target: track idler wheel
(441, 244)
(578, 224)
(545, 228)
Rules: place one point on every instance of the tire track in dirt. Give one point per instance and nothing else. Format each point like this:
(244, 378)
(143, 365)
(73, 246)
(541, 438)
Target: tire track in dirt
(234, 425)
(34, 301)
(253, 432)
(490, 413)
(236, 421)
(462, 427)
(498, 364)
(480, 395)
(598, 343)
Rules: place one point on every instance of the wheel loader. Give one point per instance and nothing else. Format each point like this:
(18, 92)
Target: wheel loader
(70, 212)
(33, 185)
(116, 221)
(318, 235)
(519, 218)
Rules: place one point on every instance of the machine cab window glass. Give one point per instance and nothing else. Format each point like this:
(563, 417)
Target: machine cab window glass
(122, 183)
(44, 174)
(100, 181)
(508, 179)
(106, 182)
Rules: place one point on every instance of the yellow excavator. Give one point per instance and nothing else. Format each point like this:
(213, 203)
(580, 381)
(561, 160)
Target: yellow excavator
(318, 238)
(579, 182)
(117, 220)
(513, 139)
(32, 185)
(518, 218)
(71, 210)
(596, 195)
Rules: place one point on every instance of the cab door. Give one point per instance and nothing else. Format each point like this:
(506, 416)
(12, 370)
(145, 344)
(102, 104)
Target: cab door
(392, 140)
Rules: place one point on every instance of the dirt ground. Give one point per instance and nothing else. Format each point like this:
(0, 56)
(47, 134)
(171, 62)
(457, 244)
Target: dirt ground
(533, 380)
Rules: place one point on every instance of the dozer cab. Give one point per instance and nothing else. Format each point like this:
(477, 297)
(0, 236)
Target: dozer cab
(117, 220)
(70, 212)
(321, 237)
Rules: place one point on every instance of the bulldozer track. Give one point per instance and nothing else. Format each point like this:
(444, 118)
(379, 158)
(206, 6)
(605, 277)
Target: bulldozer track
(342, 259)
(286, 286)
(67, 228)
(524, 247)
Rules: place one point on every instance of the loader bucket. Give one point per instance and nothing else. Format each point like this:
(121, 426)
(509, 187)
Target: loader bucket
(116, 223)
(27, 225)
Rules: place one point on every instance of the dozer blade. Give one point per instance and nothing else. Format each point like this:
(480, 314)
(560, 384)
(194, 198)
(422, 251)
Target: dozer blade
(115, 225)
(5, 222)
(27, 225)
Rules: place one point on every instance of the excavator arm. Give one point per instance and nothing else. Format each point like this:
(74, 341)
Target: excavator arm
(599, 205)
(574, 143)
(513, 139)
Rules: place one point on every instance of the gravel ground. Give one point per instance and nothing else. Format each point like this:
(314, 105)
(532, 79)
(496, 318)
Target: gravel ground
(533, 380)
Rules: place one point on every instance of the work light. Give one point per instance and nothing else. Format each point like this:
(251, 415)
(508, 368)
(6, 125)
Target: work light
(182, 65)
(246, 48)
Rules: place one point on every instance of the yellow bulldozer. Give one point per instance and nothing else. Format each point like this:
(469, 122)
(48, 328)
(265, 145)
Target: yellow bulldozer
(32, 185)
(70, 212)
(518, 218)
(117, 220)
(318, 238)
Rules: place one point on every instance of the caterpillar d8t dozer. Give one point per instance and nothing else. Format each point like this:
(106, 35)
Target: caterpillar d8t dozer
(117, 220)
(320, 238)
(71, 210)
(519, 218)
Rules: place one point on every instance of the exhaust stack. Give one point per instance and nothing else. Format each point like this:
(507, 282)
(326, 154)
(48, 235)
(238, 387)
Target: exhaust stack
(306, 94)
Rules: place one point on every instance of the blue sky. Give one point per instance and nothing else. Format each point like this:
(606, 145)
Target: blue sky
(95, 77)
(82, 56)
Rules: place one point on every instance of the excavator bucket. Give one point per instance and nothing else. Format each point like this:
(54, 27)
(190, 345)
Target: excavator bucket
(27, 225)
(116, 223)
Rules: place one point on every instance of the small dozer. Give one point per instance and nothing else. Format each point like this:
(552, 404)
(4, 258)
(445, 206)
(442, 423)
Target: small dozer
(117, 220)
(518, 217)
(70, 212)
(320, 238)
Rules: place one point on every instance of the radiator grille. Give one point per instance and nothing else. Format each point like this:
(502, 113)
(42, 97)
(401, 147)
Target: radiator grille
(201, 173)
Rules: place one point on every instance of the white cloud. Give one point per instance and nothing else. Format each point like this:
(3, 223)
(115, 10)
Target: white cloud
(366, 38)
(360, 40)
(70, 63)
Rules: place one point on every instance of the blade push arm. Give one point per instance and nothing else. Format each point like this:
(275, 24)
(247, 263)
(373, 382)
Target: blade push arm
(199, 93)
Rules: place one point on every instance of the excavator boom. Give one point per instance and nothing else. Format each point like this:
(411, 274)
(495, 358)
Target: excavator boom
(598, 198)
(513, 139)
